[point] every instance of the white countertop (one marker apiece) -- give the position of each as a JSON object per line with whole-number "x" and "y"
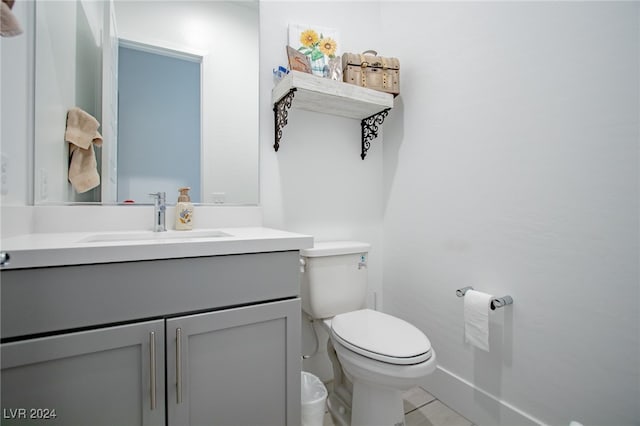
{"x": 69, "y": 248}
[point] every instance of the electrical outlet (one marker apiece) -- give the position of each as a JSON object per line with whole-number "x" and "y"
{"x": 218, "y": 197}
{"x": 44, "y": 185}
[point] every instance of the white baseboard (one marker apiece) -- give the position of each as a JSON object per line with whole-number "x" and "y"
{"x": 477, "y": 405}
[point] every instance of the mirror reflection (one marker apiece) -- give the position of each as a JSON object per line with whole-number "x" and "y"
{"x": 174, "y": 86}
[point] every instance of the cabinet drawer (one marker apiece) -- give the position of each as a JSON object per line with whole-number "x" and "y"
{"x": 50, "y": 299}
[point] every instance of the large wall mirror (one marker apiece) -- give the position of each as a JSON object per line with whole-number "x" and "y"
{"x": 174, "y": 85}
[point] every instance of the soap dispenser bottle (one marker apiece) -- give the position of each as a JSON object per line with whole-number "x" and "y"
{"x": 184, "y": 210}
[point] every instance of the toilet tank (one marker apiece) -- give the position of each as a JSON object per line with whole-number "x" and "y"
{"x": 334, "y": 278}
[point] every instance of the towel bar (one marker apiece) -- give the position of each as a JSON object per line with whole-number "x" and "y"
{"x": 496, "y": 302}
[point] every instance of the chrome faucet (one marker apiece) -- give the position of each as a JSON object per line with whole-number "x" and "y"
{"x": 159, "y": 208}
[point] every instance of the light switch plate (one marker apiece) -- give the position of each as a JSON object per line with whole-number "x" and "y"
{"x": 4, "y": 179}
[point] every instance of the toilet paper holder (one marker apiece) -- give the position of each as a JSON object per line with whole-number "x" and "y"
{"x": 496, "y": 302}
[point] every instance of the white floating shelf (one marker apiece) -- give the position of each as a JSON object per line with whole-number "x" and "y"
{"x": 333, "y": 97}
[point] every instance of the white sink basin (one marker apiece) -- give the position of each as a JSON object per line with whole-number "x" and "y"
{"x": 154, "y": 236}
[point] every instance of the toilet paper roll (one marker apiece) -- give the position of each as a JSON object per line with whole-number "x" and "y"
{"x": 476, "y": 318}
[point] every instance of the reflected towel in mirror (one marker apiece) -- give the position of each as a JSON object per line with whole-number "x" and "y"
{"x": 83, "y": 171}
{"x": 82, "y": 133}
{"x": 82, "y": 128}
{"x": 9, "y": 25}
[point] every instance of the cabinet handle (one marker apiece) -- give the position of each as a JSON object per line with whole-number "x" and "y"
{"x": 152, "y": 359}
{"x": 179, "y": 365}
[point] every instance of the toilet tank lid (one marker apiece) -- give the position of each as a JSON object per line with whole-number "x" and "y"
{"x": 335, "y": 248}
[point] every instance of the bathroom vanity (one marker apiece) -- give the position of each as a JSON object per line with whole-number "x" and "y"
{"x": 207, "y": 332}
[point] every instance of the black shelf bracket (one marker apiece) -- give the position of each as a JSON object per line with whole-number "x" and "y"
{"x": 280, "y": 114}
{"x": 370, "y": 129}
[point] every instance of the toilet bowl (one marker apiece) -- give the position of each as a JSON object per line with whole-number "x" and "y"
{"x": 375, "y": 356}
{"x": 382, "y": 356}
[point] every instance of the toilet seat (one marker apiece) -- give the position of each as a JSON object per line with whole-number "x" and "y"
{"x": 381, "y": 337}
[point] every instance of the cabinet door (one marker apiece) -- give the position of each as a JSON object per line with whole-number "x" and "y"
{"x": 237, "y": 366}
{"x": 109, "y": 376}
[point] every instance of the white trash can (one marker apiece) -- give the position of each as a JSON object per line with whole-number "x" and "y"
{"x": 314, "y": 397}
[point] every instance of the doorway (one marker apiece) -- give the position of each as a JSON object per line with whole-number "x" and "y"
{"x": 159, "y": 122}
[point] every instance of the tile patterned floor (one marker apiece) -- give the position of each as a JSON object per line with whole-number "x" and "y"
{"x": 423, "y": 409}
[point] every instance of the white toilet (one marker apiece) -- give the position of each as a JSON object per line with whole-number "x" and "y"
{"x": 375, "y": 356}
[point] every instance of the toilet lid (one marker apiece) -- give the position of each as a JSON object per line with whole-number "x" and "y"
{"x": 381, "y": 337}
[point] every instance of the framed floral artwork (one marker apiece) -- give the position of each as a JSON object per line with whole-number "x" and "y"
{"x": 318, "y": 43}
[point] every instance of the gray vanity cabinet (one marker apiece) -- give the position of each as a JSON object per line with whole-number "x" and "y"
{"x": 98, "y": 377}
{"x": 225, "y": 332}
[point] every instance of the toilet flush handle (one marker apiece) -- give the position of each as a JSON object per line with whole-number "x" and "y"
{"x": 303, "y": 263}
{"x": 363, "y": 262}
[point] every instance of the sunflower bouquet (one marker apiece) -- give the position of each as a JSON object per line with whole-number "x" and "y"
{"x": 317, "y": 48}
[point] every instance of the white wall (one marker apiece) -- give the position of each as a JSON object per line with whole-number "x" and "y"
{"x": 511, "y": 165}
{"x": 56, "y": 94}
{"x": 316, "y": 183}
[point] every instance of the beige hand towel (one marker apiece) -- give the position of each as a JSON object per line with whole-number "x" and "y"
{"x": 9, "y": 25}
{"x": 82, "y": 134}
{"x": 83, "y": 171}
{"x": 82, "y": 128}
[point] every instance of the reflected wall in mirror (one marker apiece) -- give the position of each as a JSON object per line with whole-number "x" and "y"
{"x": 158, "y": 105}
{"x": 77, "y": 50}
